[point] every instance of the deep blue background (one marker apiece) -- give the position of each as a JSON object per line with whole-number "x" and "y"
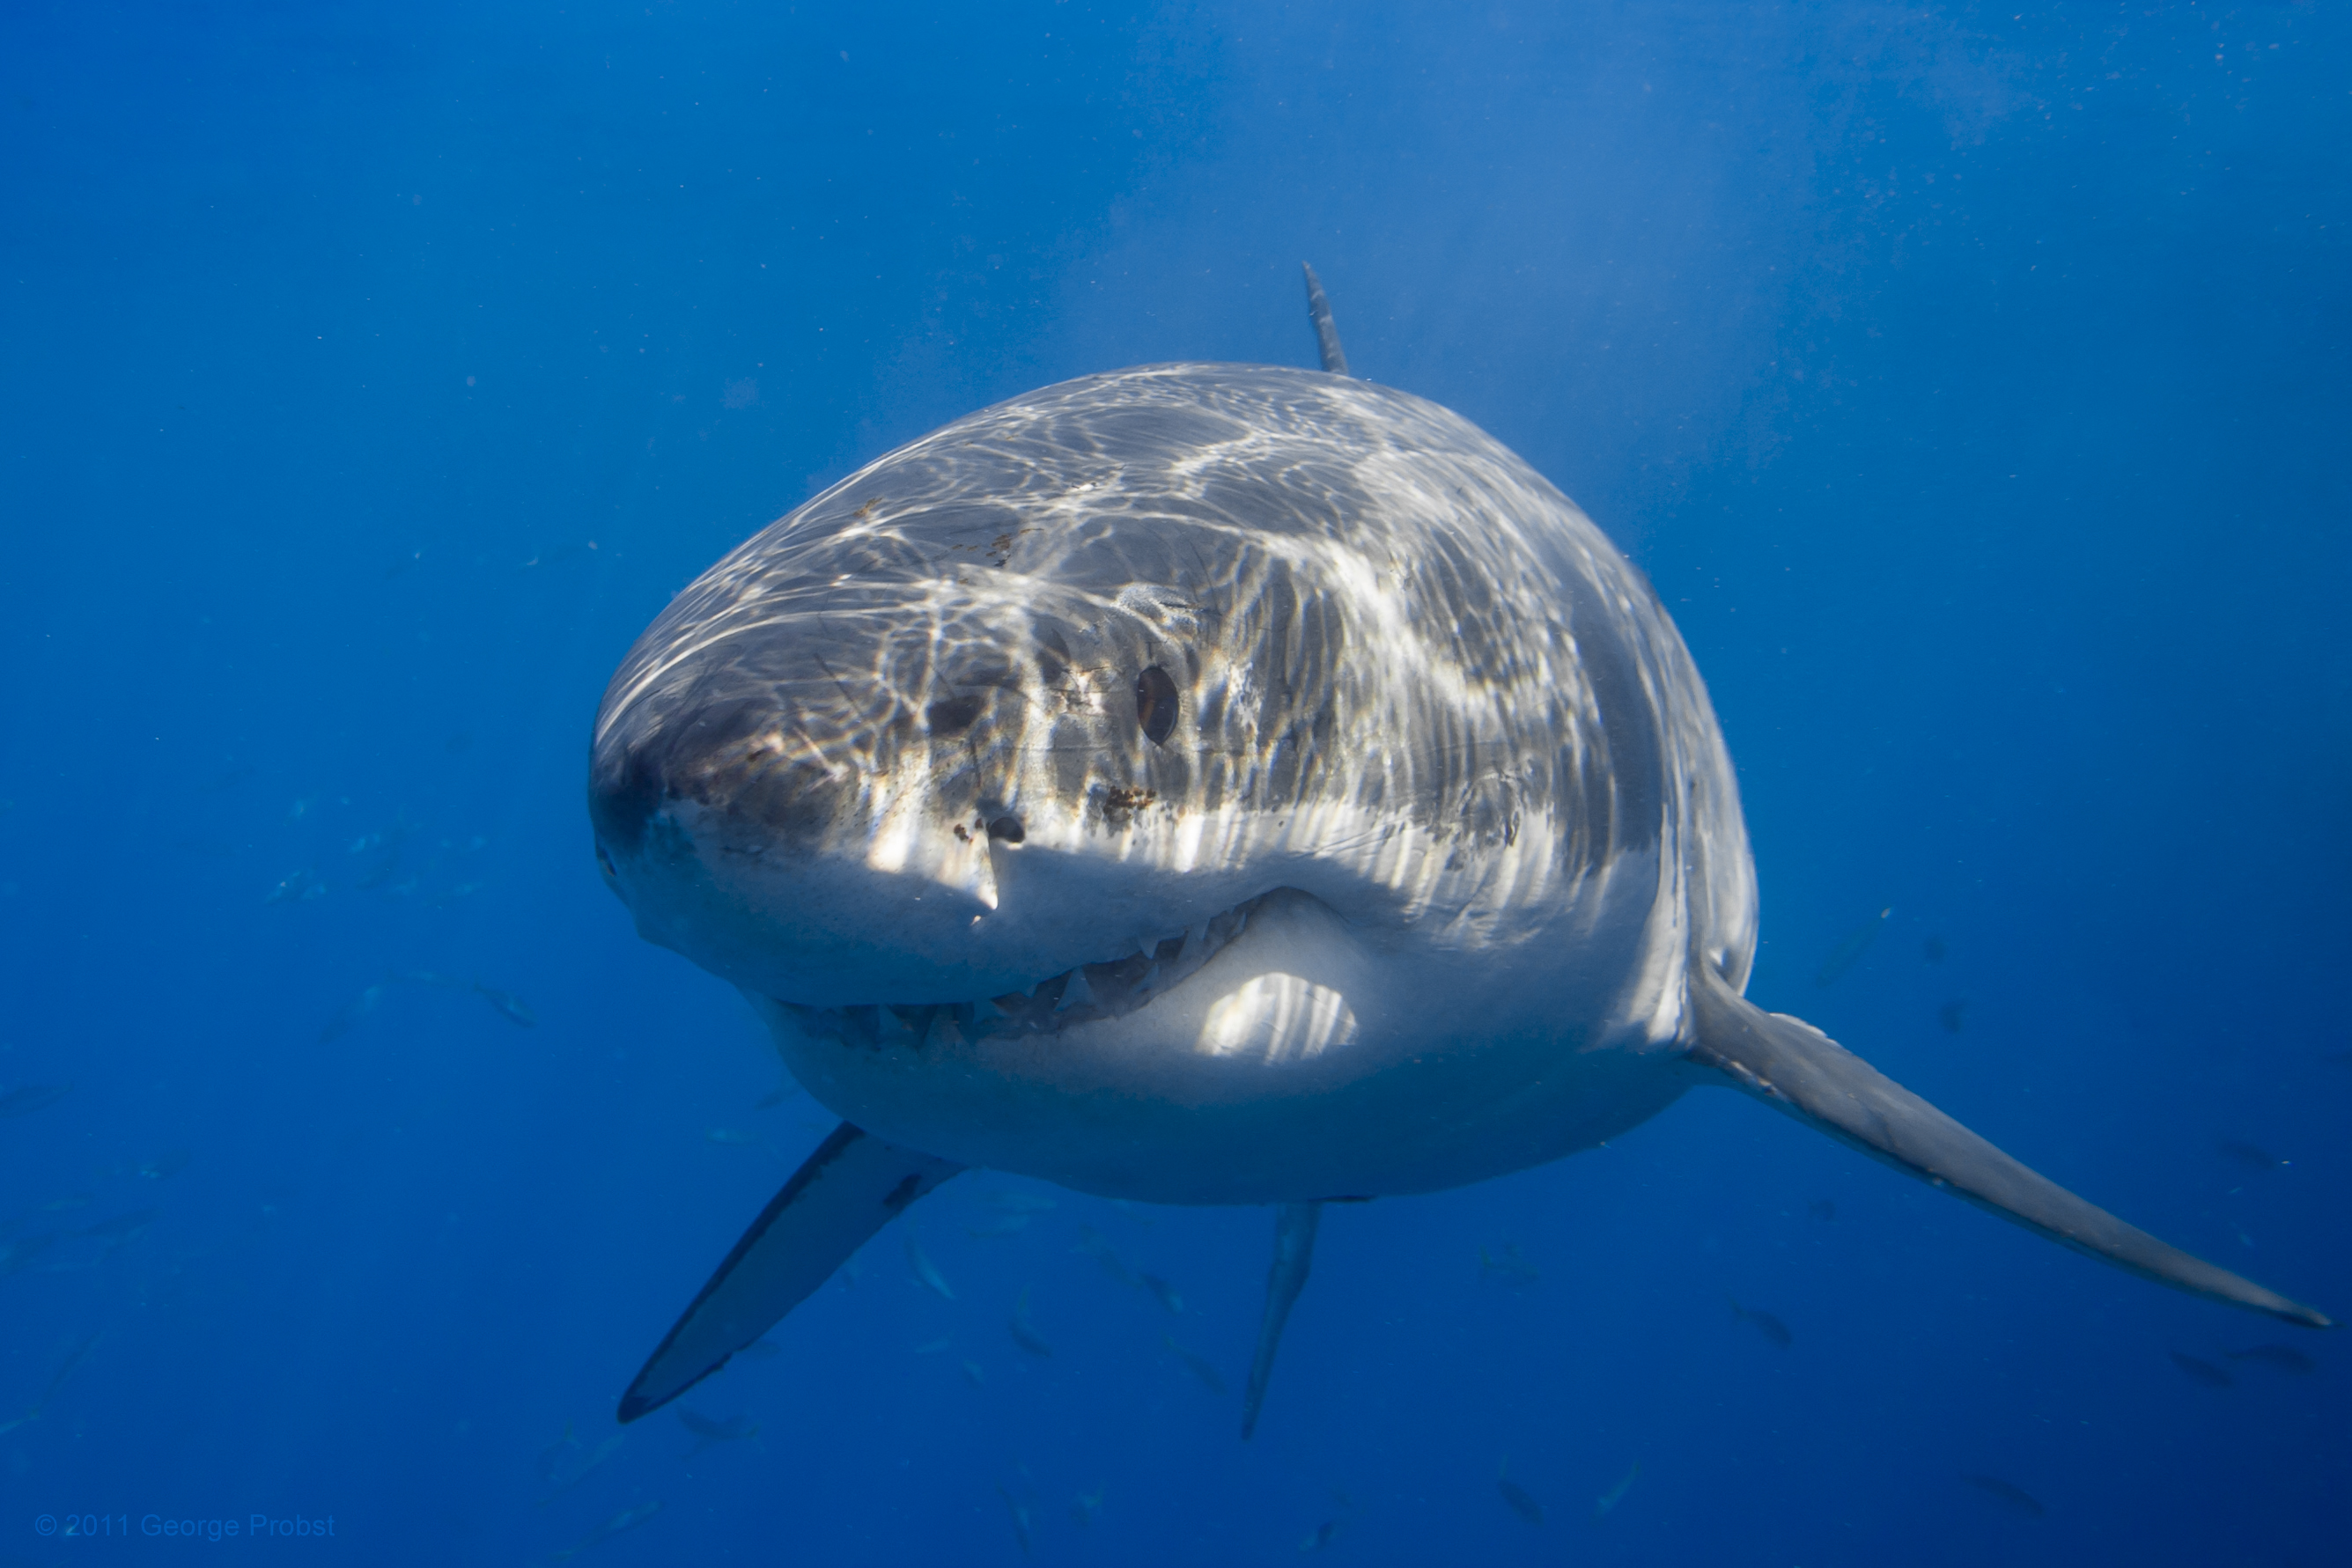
{"x": 1970, "y": 384}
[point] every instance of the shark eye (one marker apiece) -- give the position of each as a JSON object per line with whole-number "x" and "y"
{"x": 1155, "y": 704}
{"x": 605, "y": 862}
{"x": 951, "y": 715}
{"x": 1008, "y": 828}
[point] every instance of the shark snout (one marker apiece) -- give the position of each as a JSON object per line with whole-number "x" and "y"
{"x": 810, "y": 862}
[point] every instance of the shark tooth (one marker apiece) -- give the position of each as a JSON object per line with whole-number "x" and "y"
{"x": 900, "y": 1026}
{"x": 1076, "y": 994}
{"x": 1196, "y": 942}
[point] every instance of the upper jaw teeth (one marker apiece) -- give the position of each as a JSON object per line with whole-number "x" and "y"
{"x": 1076, "y": 996}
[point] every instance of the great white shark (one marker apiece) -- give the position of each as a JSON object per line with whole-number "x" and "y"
{"x": 1213, "y": 784}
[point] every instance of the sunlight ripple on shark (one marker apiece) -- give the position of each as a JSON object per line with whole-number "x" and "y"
{"x": 1213, "y": 784}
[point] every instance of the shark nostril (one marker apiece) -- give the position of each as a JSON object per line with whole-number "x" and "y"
{"x": 1155, "y": 704}
{"x": 1007, "y": 828}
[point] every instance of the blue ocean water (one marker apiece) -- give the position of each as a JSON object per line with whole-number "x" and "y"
{"x": 1968, "y": 383}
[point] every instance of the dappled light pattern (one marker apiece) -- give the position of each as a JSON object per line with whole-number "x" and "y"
{"x": 1204, "y": 631}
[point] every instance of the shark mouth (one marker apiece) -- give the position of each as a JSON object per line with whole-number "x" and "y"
{"x": 1081, "y": 994}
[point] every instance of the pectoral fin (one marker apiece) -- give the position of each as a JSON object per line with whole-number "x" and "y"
{"x": 849, "y": 1189}
{"x": 1796, "y": 1069}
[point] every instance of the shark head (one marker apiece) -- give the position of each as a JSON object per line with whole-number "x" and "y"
{"x": 1194, "y": 734}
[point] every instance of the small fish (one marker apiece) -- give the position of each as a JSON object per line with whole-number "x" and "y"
{"x": 1020, "y": 1519}
{"x": 73, "y": 1358}
{"x": 776, "y": 1096}
{"x": 2203, "y": 1372}
{"x": 558, "y": 553}
{"x": 2249, "y": 1155}
{"x": 123, "y": 1228}
{"x": 931, "y": 1347}
{"x": 509, "y": 1007}
{"x": 221, "y": 782}
{"x": 1023, "y": 1335}
{"x": 2287, "y": 1358}
{"x": 761, "y": 1350}
{"x": 1013, "y": 1201}
{"x": 1322, "y": 1536}
{"x": 1509, "y": 1268}
{"x": 730, "y": 1135}
{"x": 736, "y": 1429}
{"x": 382, "y": 873}
{"x": 628, "y": 1519}
{"x": 1200, "y": 1366}
{"x": 1933, "y": 949}
{"x": 351, "y": 1013}
{"x": 2009, "y": 1497}
{"x": 556, "y": 1456}
{"x": 1821, "y": 1208}
{"x": 1086, "y": 1505}
{"x": 165, "y": 1166}
{"x": 1515, "y": 1496}
{"x": 568, "y": 1473}
{"x": 920, "y": 1267}
{"x": 1768, "y": 1325}
{"x": 998, "y": 1228}
{"x": 1850, "y": 949}
{"x": 57, "y": 1380}
{"x": 1952, "y": 1015}
{"x": 1092, "y": 1243}
{"x": 299, "y": 887}
{"x": 975, "y": 1375}
{"x": 458, "y": 744}
{"x": 20, "y": 1253}
{"x": 1616, "y": 1494}
{"x": 1164, "y": 1292}
{"x": 26, "y": 1098}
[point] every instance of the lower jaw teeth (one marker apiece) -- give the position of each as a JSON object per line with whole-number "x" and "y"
{"x": 1082, "y": 995}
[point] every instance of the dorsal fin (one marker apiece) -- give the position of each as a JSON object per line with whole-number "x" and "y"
{"x": 1326, "y": 336}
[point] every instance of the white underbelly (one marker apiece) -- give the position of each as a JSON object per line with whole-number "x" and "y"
{"x": 1303, "y": 1062}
